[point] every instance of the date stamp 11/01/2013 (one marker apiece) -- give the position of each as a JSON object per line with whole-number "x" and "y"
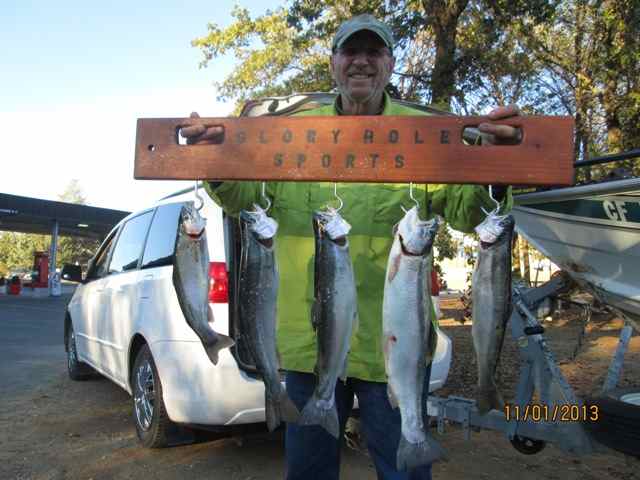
{"x": 552, "y": 413}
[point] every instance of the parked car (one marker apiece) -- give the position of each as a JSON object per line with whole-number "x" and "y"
{"x": 124, "y": 321}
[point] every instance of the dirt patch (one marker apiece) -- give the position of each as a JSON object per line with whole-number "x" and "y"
{"x": 84, "y": 430}
{"x": 583, "y": 350}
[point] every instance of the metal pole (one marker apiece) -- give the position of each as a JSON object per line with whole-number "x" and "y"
{"x": 615, "y": 368}
{"x": 52, "y": 253}
{"x": 608, "y": 158}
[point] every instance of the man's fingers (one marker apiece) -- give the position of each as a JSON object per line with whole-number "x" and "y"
{"x": 201, "y": 133}
{"x": 500, "y": 131}
{"x": 192, "y": 131}
{"x": 504, "y": 112}
{"x": 213, "y": 133}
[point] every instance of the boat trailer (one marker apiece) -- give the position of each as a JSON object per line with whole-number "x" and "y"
{"x": 556, "y": 415}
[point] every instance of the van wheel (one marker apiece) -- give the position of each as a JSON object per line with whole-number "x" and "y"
{"x": 78, "y": 370}
{"x": 149, "y": 414}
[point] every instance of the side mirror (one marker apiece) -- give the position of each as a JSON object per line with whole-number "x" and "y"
{"x": 72, "y": 273}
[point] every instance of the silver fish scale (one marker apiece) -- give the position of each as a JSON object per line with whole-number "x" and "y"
{"x": 406, "y": 322}
{"x": 258, "y": 295}
{"x": 191, "y": 277}
{"x": 491, "y": 310}
{"x": 191, "y": 280}
{"x": 334, "y": 312}
{"x": 258, "y": 285}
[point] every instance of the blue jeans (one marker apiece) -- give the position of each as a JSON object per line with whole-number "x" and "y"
{"x": 312, "y": 453}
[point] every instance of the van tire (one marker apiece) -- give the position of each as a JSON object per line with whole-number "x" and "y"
{"x": 618, "y": 425}
{"x": 149, "y": 413}
{"x": 78, "y": 371}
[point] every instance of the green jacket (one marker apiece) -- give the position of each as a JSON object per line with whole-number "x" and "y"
{"x": 372, "y": 210}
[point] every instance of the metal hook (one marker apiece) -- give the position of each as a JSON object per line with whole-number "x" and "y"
{"x": 412, "y": 197}
{"x": 494, "y": 200}
{"x": 264, "y": 196}
{"x": 198, "y": 197}
{"x": 335, "y": 192}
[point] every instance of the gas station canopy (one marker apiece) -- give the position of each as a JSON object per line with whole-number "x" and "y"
{"x": 33, "y": 215}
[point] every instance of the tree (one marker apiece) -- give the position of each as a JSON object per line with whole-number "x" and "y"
{"x": 73, "y": 193}
{"x": 287, "y": 50}
{"x": 589, "y": 56}
{"x": 17, "y": 249}
{"x": 75, "y": 250}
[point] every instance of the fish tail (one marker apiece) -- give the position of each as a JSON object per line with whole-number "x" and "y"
{"x": 413, "y": 455}
{"x": 222, "y": 342}
{"x": 279, "y": 409}
{"x": 489, "y": 398}
{"x": 317, "y": 412}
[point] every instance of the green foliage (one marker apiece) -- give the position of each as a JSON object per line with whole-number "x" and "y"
{"x": 73, "y": 193}
{"x": 17, "y": 249}
{"x": 445, "y": 244}
{"x": 272, "y": 58}
{"x": 75, "y": 250}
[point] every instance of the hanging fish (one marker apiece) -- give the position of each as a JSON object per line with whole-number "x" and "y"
{"x": 406, "y": 324}
{"x": 492, "y": 306}
{"x": 191, "y": 280}
{"x": 334, "y": 317}
{"x": 258, "y": 294}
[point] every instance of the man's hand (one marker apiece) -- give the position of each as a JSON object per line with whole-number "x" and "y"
{"x": 498, "y": 134}
{"x": 199, "y": 133}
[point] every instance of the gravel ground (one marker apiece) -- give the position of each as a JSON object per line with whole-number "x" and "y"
{"x": 62, "y": 430}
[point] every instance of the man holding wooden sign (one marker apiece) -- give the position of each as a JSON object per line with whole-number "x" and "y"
{"x": 361, "y": 64}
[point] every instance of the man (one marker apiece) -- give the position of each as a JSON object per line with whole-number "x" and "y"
{"x": 361, "y": 64}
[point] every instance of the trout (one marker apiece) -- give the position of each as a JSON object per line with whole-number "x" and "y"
{"x": 406, "y": 324}
{"x": 334, "y": 317}
{"x": 191, "y": 280}
{"x": 258, "y": 294}
{"x": 492, "y": 306}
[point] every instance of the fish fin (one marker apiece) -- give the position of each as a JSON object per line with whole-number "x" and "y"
{"x": 489, "y": 399}
{"x": 393, "y": 400}
{"x": 316, "y": 412}
{"x": 413, "y": 455}
{"x": 315, "y": 315}
{"x": 425, "y": 401}
{"x": 222, "y": 342}
{"x": 278, "y": 410}
{"x": 271, "y": 411}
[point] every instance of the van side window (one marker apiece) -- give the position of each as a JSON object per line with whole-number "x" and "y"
{"x": 161, "y": 241}
{"x": 99, "y": 268}
{"x": 130, "y": 243}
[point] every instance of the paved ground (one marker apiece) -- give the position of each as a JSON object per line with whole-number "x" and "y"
{"x": 31, "y": 343}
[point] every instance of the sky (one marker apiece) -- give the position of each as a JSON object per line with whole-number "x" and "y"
{"x": 75, "y": 76}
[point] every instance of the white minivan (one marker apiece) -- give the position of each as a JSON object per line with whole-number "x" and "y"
{"x": 125, "y": 322}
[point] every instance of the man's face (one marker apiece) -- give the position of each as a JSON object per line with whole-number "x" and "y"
{"x": 362, "y": 67}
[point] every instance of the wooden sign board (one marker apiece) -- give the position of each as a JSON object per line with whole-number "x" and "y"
{"x": 421, "y": 149}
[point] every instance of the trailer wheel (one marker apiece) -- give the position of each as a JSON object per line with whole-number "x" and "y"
{"x": 618, "y": 423}
{"x": 527, "y": 446}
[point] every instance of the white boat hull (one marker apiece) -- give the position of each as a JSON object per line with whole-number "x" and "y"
{"x": 593, "y": 233}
